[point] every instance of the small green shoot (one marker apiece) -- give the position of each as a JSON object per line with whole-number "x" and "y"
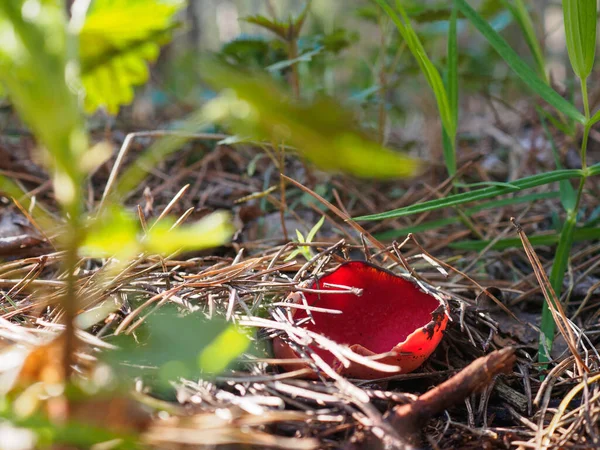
{"x": 305, "y": 250}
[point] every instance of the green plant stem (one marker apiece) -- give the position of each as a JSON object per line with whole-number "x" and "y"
{"x": 382, "y": 113}
{"x": 69, "y": 302}
{"x": 292, "y": 56}
{"x": 561, "y": 258}
{"x": 586, "y": 130}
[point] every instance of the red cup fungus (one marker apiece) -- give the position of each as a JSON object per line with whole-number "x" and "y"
{"x": 393, "y": 318}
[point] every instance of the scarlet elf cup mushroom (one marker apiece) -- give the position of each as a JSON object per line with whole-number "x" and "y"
{"x": 393, "y": 320}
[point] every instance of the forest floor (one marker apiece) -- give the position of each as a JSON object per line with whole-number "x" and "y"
{"x": 492, "y": 291}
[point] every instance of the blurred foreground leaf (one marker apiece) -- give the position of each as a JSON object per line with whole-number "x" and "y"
{"x": 210, "y": 231}
{"x": 252, "y": 105}
{"x": 118, "y": 233}
{"x": 169, "y": 346}
{"x": 38, "y": 75}
{"x": 118, "y": 39}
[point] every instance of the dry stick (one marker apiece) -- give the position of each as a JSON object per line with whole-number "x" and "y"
{"x": 563, "y": 407}
{"x": 554, "y": 304}
{"x": 408, "y": 419}
{"x": 171, "y": 204}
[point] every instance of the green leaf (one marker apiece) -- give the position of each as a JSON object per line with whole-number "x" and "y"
{"x": 118, "y": 39}
{"x": 580, "y": 17}
{"x": 70, "y": 433}
{"x": 114, "y": 233}
{"x": 253, "y": 105}
{"x": 480, "y": 194}
{"x": 170, "y": 346}
{"x": 452, "y": 84}
{"x": 529, "y": 77}
{"x": 595, "y": 118}
{"x": 219, "y": 354}
{"x": 287, "y": 31}
{"x": 427, "y": 68}
{"x": 211, "y": 231}
{"x": 33, "y": 69}
{"x": 117, "y": 232}
{"x": 315, "y": 229}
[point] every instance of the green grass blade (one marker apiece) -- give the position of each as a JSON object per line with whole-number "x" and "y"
{"x": 568, "y": 196}
{"x": 528, "y": 75}
{"x": 449, "y": 148}
{"x": 452, "y": 90}
{"x": 452, "y": 87}
{"x": 433, "y": 224}
{"x": 431, "y": 73}
{"x": 579, "y": 234}
{"x": 521, "y": 15}
{"x": 479, "y": 194}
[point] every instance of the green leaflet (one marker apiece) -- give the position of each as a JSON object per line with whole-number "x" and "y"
{"x": 326, "y": 133}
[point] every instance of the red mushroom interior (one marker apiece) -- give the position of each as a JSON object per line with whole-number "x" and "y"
{"x": 388, "y": 311}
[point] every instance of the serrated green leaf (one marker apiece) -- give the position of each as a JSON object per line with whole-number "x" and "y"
{"x": 118, "y": 40}
{"x": 514, "y": 61}
{"x": 580, "y": 31}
